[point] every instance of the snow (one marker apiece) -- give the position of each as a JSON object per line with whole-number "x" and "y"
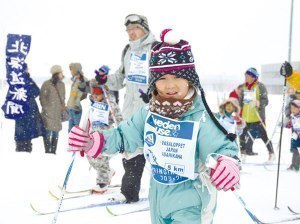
{"x": 26, "y": 178}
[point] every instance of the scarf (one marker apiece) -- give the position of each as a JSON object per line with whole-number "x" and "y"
{"x": 249, "y": 85}
{"x": 172, "y": 108}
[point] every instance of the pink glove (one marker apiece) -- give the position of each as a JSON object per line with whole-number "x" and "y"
{"x": 226, "y": 173}
{"x": 91, "y": 144}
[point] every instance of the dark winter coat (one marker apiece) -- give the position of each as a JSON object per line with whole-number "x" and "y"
{"x": 51, "y": 104}
{"x": 30, "y": 125}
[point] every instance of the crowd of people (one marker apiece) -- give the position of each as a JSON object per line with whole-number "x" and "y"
{"x": 165, "y": 120}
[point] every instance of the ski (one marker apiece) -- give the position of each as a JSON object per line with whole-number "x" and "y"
{"x": 113, "y": 213}
{"x": 280, "y": 220}
{"x": 125, "y": 209}
{"x": 293, "y": 211}
{"x": 104, "y": 204}
{"x": 259, "y": 164}
{"x": 87, "y": 190}
{"x": 86, "y": 193}
{"x": 268, "y": 168}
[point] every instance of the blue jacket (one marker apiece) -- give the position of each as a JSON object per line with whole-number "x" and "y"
{"x": 192, "y": 192}
{"x": 30, "y": 125}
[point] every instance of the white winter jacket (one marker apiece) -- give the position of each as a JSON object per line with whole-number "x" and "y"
{"x": 118, "y": 80}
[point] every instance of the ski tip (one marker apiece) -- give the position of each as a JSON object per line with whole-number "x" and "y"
{"x": 53, "y": 195}
{"x": 35, "y": 211}
{"x": 109, "y": 211}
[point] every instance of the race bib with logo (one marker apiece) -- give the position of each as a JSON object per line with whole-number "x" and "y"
{"x": 228, "y": 123}
{"x": 170, "y": 147}
{"x": 249, "y": 95}
{"x": 296, "y": 124}
{"x": 99, "y": 114}
{"x": 138, "y": 71}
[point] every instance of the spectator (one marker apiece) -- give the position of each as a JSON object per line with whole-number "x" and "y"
{"x": 52, "y": 94}
{"x": 78, "y": 93}
{"x": 30, "y": 125}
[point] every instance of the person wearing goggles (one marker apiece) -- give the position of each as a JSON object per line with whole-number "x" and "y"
{"x": 133, "y": 72}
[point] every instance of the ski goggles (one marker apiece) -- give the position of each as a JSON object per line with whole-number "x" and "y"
{"x": 136, "y": 19}
{"x": 133, "y": 18}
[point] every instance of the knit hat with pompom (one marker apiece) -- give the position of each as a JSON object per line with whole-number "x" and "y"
{"x": 172, "y": 56}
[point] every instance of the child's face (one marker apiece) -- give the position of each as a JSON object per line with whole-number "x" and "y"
{"x": 294, "y": 110}
{"x": 171, "y": 86}
{"x": 229, "y": 108}
{"x": 97, "y": 97}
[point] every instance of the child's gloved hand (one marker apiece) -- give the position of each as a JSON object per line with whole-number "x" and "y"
{"x": 144, "y": 96}
{"x": 225, "y": 174}
{"x": 101, "y": 74}
{"x": 286, "y": 69}
{"x": 80, "y": 140}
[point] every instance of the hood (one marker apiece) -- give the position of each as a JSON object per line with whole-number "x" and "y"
{"x": 233, "y": 101}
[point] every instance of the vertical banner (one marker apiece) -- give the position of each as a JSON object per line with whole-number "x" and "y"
{"x": 17, "y": 99}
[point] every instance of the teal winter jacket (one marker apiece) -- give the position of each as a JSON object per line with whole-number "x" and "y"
{"x": 165, "y": 199}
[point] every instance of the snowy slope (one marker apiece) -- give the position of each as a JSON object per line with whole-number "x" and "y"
{"x": 26, "y": 178}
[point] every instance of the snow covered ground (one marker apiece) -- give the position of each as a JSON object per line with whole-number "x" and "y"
{"x": 26, "y": 178}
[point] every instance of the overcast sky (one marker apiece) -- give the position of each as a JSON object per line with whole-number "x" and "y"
{"x": 227, "y": 36}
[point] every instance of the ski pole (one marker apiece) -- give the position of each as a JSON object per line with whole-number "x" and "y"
{"x": 283, "y": 103}
{"x": 212, "y": 163}
{"x": 263, "y": 124}
{"x": 242, "y": 202}
{"x": 248, "y": 132}
{"x": 109, "y": 104}
{"x": 83, "y": 124}
{"x": 63, "y": 190}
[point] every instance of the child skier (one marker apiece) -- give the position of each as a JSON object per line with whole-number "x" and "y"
{"x": 294, "y": 123}
{"x": 178, "y": 137}
{"x": 229, "y": 116}
{"x": 103, "y": 113}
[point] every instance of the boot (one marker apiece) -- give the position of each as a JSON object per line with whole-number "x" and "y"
{"x": 54, "y": 145}
{"x": 47, "y": 143}
{"x": 272, "y": 157}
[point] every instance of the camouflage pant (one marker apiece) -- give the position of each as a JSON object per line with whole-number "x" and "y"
{"x": 103, "y": 169}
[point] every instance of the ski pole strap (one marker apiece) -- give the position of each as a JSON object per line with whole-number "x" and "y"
{"x": 230, "y": 136}
{"x": 122, "y": 148}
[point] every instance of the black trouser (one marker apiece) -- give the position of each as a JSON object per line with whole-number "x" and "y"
{"x": 24, "y": 146}
{"x": 131, "y": 181}
{"x": 254, "y": 130}
{"x": 296, "y": 159}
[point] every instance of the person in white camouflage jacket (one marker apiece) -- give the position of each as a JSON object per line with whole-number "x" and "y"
{"x": 104, "y": 112}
